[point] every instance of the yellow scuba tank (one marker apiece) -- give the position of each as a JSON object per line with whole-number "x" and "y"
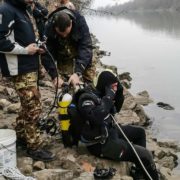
{"x": 64, "y": 118}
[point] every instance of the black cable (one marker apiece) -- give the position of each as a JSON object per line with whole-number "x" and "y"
{"x": 56, "y": 90}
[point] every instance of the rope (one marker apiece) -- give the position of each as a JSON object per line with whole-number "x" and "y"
{"x": 15, "y": 174}
{"x": 132, "y": 149}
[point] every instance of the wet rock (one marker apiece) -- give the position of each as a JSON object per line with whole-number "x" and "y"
{"x": 165, "y": 106}
{"x": 104, "y": 53}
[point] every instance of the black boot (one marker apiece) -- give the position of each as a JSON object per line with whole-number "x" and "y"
{"x": 41, "y": 155}
{"x": 21, "y": 143}
{"x": 137, "y": 173}
{"x": 152, "y": 172}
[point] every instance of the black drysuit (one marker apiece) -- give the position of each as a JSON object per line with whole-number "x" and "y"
{"x": 96, "y": 109}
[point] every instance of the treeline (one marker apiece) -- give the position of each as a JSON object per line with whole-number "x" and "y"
{"x": 146, "y": 5}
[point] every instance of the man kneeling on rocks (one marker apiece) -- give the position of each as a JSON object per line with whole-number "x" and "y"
{"x": 102, "y": 135}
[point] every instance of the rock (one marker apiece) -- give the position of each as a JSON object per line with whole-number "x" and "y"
{"x": 11, "y": 94}
{"x": 2, "y": 178}
{"x": 85, "y": 175}
{"x": 175, "y": 177}
{"x": 46, "y": 84}
{"x": 39, "y": 165}
{"x": 126, "y": 178}
{"x": 167, "y": 162}
{"x": 143, "y": 98}
{"x": 54, "y": 174}
{"x": 126, "y": 83}
{"x": 13, "y": 108}
{"x": 129, "y": 102}
{"x": 160, "y": 153}
{"x": 25, "y": 165}
{"x": 27, "y": 169}
{"x": 4, "y": 103}
{"x": 127, "y": 117}
{"x": 125, "y": 75}
{"x": 168, "y": 143}
{"x": 165, "y": 173}
{"x": 2, "y": 89}
{"x": 144, "y": 119}
{"x": 165, "y": 106}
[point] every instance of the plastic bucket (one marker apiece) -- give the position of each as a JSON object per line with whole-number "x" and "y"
{"x": 7, "y": 148}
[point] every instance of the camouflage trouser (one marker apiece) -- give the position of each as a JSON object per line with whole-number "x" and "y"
{"x": 26, "y": 123}
{"x": 66, "y": 68}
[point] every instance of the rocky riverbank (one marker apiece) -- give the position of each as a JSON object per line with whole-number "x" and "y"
{"x": 77, "y": 163}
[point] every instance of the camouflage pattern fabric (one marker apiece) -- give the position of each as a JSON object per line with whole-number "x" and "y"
{"x": 66, "y": 60}
{"x": 26, "y": 123}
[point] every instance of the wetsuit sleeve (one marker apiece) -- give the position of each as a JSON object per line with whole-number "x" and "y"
{"x": 93, "y": 112}
{"x": 7, "y": 41}
{"x": 84, "y": 57}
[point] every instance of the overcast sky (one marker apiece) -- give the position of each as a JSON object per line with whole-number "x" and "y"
{"x": 100, "y": 3}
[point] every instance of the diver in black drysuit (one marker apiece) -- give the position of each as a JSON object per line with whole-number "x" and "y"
{"x": 100, "y": 134}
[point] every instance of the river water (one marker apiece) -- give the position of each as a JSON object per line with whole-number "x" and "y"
{"x": 148, "y": 46}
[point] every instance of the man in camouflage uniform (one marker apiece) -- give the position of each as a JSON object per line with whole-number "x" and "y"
{"x": 26, "y": 122}
{"x": 69, "y": 41}
{"x": 19, "y": 60}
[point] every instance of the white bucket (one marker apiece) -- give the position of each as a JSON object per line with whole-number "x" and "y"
{"x": 7, "y": 148}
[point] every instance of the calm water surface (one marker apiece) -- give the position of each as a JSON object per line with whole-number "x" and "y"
{"x": 148, "y": 46}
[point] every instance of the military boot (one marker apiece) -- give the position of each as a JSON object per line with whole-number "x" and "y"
{"x": 41, "y": 155}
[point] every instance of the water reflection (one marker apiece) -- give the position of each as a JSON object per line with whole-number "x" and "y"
{"x": 162, "y": 22}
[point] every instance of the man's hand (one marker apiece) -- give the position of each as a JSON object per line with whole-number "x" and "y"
{"x": 58, "y": 82}
{"x": 74, "y": 80}
{"x": 41, "y": 51}
{"x": 32, "y": 49}
{"x": 111, "y": 90}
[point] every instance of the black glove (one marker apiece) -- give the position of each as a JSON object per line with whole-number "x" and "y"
{"x": 110, "y": 93}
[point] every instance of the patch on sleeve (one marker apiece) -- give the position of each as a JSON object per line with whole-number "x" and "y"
{"x": 87, "y": 103}
{"x": 1, "y": 16}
